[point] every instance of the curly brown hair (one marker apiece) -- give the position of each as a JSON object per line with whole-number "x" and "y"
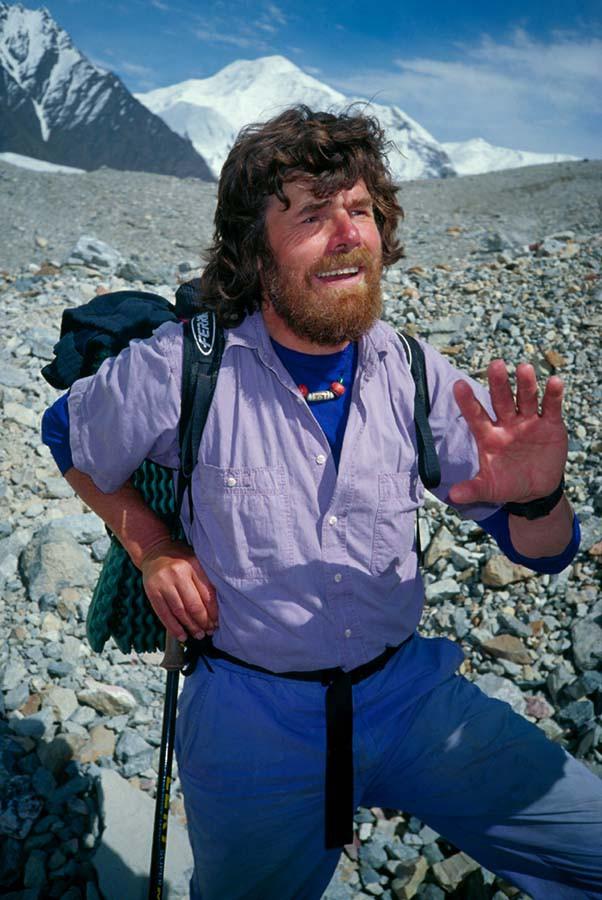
{"x": 333, "y": 151}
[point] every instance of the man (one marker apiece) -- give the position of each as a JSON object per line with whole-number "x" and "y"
{"x": 302, "y": 556}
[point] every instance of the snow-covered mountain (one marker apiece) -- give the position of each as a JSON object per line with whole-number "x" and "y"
{"x": 57, "y": 106}
{"x": 476, "y": 156}
{"x": 38, "y": 165}
{"x": 211, "y": 111}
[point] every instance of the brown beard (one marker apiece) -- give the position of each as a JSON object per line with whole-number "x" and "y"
{"x": 330, "y": 317}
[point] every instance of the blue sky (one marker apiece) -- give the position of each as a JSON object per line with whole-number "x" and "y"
{"x": 526, "y": 75}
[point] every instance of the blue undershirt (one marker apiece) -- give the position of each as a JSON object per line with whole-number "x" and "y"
{"x": 55, "y": 432}
{"x": 317, "y": 372}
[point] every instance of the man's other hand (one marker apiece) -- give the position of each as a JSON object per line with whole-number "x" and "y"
{"x": 179, "y": 591}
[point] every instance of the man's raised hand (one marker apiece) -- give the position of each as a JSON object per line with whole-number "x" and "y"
{"x": 522, "y": 454}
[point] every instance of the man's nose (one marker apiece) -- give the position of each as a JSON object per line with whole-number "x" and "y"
{"x": 345, "y": 234}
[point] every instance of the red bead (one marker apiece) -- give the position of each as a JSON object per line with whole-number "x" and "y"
{"x": 337, "y": 388}
{"x": 304, "y": 389}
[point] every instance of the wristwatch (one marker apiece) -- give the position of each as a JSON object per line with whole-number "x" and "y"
{"x": 536, "y": 509}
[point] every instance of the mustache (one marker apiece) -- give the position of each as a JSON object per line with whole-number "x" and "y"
{"x": 360, "y": 258}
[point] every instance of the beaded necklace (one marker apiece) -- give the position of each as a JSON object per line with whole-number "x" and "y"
{"x": 337, "y": 389}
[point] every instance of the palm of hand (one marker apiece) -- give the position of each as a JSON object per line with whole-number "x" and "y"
{"x": 523, "y": 452}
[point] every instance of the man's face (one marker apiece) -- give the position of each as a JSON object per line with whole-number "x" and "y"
{"x": 312, "y": 241}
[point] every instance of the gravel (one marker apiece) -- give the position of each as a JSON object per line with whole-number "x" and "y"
{"x": 158, "y": 220}
{"x": 506, "y": 264}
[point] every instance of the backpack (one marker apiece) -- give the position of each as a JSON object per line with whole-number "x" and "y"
{"x": 102, "y": 328}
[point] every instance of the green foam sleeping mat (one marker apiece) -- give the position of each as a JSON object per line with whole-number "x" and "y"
{"x": 120, "y": 607}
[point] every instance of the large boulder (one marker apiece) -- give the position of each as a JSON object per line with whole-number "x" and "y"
{"x": 122, "y": 859}
{"x": 54, "y": 560}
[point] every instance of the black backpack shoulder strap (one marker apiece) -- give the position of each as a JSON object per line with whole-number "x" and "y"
{"x": 428, "y": 462}
{"x": 203, "y": 348}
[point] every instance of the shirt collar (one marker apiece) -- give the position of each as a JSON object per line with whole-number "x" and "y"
{"x": 253, "y": 334}
{"x": 250, "y": 333}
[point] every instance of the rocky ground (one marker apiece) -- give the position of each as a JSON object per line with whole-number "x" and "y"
{"x": 156, "y": 220}
{"x": 505, "y": 264}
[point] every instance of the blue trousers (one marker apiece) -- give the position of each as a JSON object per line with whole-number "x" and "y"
{"x": 250, "y": 750}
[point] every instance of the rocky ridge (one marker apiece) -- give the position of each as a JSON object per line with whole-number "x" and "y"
{"x": 58, "y": 106}
{"x": 68, "y": 717}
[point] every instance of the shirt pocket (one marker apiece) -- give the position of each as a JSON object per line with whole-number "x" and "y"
{"x": 399, "y": 496}
{"x": 246, "y": 515}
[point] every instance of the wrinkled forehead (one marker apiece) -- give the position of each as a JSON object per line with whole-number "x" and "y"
{"x": 303, "y": 189}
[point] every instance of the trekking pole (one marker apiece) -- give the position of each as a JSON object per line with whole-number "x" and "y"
{"x": 172, "y": 661}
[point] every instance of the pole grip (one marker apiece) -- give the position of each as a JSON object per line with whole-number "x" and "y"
{"x": 173, "y": 657}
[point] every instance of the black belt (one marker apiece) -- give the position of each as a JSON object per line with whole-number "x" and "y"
{"x": 339, "y": 806}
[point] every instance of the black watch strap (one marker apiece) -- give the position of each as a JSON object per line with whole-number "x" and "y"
{"x": 536, "y": 509}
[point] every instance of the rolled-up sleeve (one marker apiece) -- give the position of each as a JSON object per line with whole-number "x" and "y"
{"x": 129, "y": 410}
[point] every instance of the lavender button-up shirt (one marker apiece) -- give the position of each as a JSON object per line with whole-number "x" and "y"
{"x": 312, "y": 568}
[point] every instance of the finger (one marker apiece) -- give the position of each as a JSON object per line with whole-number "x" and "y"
{"x": 526, "y": 390}
{"x": 208, "y": 594}
{"x": 168, "y": 620}
{"x": 179, "y": 610}
{"x": 195, "y": 607}
{"x": 551, "y": 404}
{"x": 502, "y": 398}
{"x": 476, "y": 416}
{"x": 472, "y": 491}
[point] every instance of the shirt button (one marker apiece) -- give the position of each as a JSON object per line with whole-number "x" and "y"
{"x": 333, "y": 520}
{"x": 348, "y": 632}
{"x": 320, "y": 459}
{"x": 338, "y": 577}
{"x": 231, "y": 481}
